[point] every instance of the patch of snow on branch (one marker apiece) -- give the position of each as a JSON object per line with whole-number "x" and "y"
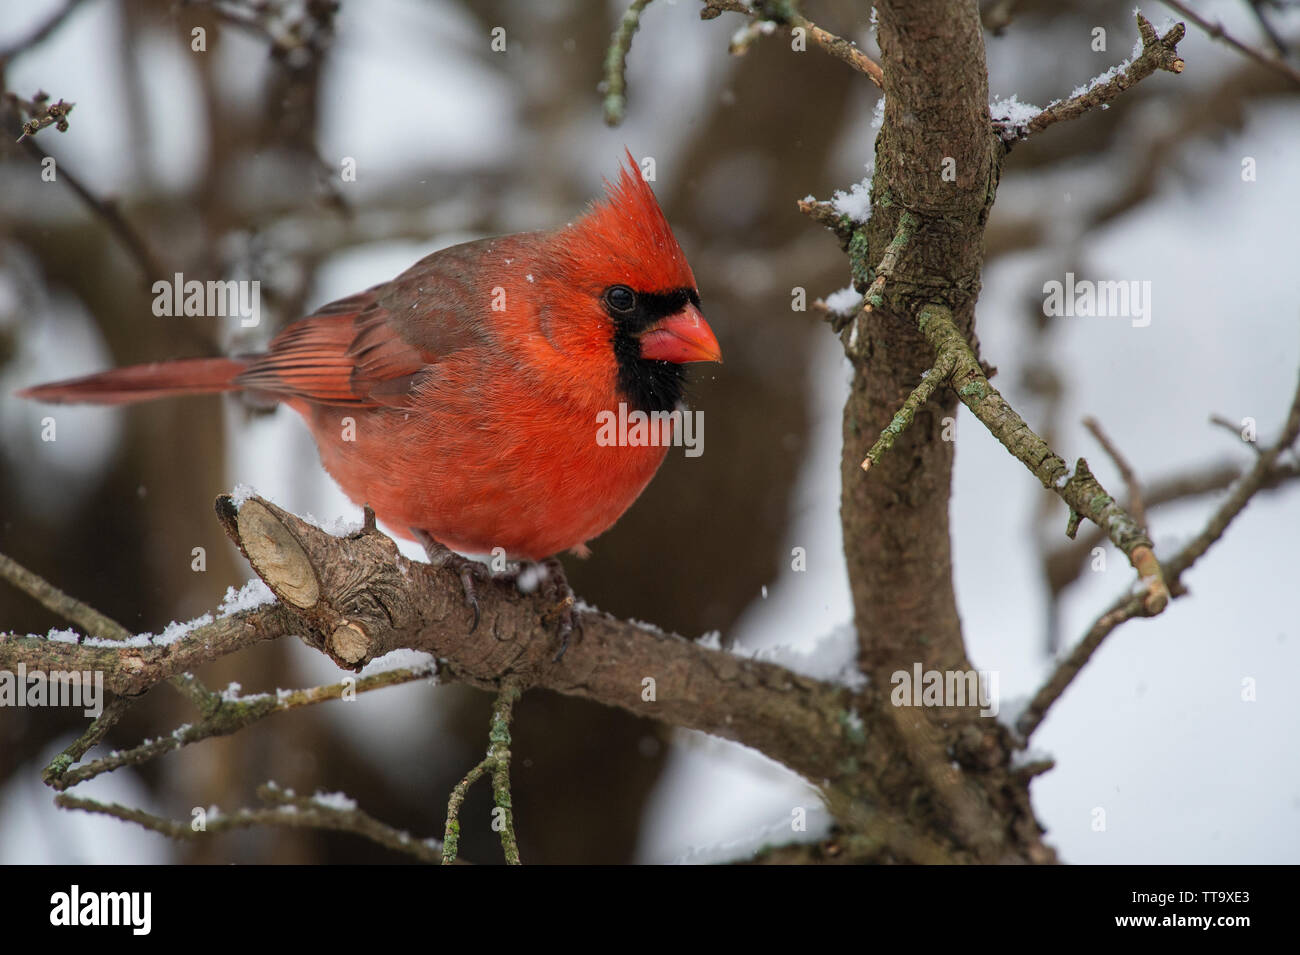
{"x": 402, "y": 659}
{"x": 856, "y": 202}
{"x": 1013, "y": 113}
{"x": 339, "y": 801}
{"x": 844, "y": 302}
{"x": 832, "y": 658}
{"x": 241, "y": 495}
{"x": 335, "y": 527}
{"x": 774, "y": 834}
{"x": 175, "y": 630}
{"x": 253, "y": 594}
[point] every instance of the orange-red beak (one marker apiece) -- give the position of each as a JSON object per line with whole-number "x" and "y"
{"x": 681, "y": 338}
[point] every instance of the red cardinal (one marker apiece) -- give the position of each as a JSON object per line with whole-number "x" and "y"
{"x": 476, "y": 376}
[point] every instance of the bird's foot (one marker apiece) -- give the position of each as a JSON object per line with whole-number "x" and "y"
{"x": 555, "y": 586}
{"x": 471, "y": 572}
{"x": 548, "y": 575}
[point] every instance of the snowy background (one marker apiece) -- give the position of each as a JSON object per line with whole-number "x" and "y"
{"x": 1155, "y": 731}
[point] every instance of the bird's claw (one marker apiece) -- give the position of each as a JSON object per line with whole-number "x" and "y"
{"x": 471, "y": 594}
{"x": 471, "y": 572}
{"x": 568, "y": 622}
{"x": 558, "y": 589}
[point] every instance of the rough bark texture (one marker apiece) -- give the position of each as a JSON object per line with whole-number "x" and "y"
{"x": 895, "y": 518}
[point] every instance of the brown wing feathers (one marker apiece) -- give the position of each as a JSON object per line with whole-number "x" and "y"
{"x": 338, "y": 359}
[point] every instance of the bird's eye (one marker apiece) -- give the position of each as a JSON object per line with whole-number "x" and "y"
{"x": 620, "y": 298}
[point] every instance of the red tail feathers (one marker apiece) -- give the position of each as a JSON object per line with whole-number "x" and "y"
{"x": 188, "y": 376}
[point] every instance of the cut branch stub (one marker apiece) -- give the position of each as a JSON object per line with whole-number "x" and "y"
{"x": 277, "y": 555}
{"x": 344, "y": 600}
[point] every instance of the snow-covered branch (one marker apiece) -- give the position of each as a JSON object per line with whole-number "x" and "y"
{"x": 1015, "y": 121}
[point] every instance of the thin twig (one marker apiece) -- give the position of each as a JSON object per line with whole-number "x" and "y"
{"x": 1080, "y": 490}
{"x": 40, "y": 113}
{"x": 95, "y": 624}
{"x": 1257, "y": 8}
{"x": 1158, "y": 53}
{"x": 1235, "y": 428}
{"x": 784, "y": 14}
{"x": 194, "y": 690}
{"x": 1063, "y": 565}
{"x": 285, "y": 809}
{"x": 497, "y": 763}
{"x": 824, "y": 214}
{"x": 40, "y": 34}
{"x": 1124, "y": 609}
{"x": 69, "y": 608}
{"x": 931, "y": 380}
{"x": 96, "y": 732}
{"x": 451, "y": 835}
{"x": 1130, "y": 606}
{"x": 616, "y": 63}
{"x": 232, "y": 715}
{"x": 1134, "y": 503}
{"x": 499, "y": 753}
{"x": 1256, "y": 478}
{"x": 907, "y": 223}
{"x": 1216, "y": 31}
{"x": 106, "y": 209}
